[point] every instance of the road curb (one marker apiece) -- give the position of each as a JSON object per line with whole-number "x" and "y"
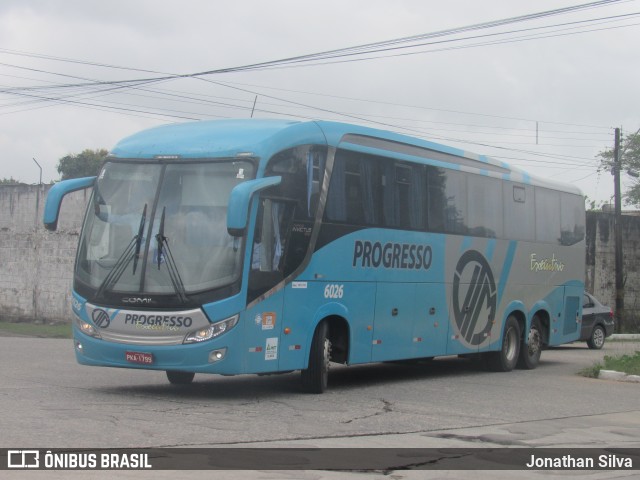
{"x": 618, "y": 376}
{"x": 625, "y": 336}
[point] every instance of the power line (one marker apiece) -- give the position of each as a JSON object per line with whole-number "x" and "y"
{"x": 100, "y": 88}
{"x": 357, "y": 50}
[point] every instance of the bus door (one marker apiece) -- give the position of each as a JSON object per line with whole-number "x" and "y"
{"x": 262, "y": 335}
{"x": 431, "y": 323}
{"x": 472, "y": 318}
{"x": 393, "y": 322}
{"x": 565, "y": 327}
{"x": 263, "y": 320}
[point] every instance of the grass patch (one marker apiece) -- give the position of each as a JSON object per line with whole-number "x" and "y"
{"x": 591, "y": 372}
{"x": 629, "y": 364}
{"x": 34, "y": 330}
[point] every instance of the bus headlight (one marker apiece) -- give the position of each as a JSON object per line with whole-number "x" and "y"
{"x": 87, "y": 328}
{"x": 212, "y": 331}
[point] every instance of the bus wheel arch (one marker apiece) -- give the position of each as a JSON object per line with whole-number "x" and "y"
{"x": 339, "y": 336}
{"x": 545, "y": 325}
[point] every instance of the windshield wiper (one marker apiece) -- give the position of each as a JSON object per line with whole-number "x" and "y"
{"x": 138, "y": 238}
{"x": 130, "y": 253}
{"x": 174, "y": 275}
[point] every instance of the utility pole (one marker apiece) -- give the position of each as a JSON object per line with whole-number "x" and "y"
{"x": 38, "y": 195}
{"x": 617, "y": 226}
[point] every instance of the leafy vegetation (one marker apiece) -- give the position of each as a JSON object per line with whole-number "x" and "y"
{"x": 85, "y": 164}
{"x": 630, "y": 163}
{"x": 629, "y": 364}
{"x": 9, "y": 181}
{"x": 592, "y": 371}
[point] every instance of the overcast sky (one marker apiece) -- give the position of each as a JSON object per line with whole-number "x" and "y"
{"x": 547, "y": 104}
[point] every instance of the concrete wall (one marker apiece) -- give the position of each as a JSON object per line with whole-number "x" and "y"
{"x": 36, "y": 265}
{"x": 600, "y": 274}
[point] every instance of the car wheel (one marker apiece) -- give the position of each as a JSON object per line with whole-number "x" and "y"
{"x": 596, "y": 341}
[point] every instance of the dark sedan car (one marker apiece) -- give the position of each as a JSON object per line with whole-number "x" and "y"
{"x": 597, "y": 322}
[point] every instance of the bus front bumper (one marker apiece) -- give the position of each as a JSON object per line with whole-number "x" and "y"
{"x": 214, "y": 356}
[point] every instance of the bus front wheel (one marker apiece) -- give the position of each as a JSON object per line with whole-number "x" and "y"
{"x": 176, "y": 377}
{"x": 316, "y": 376}
{"x": 505, "y": 359}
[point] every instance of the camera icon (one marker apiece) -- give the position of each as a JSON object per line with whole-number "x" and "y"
{"x": 23, "y": 459}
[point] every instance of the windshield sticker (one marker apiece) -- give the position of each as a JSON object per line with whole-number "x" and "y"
{"x": 158, "y": 259}
{"x": 268, "y": 320}
{"x": 240, "y": 174}
{"x": 271, "y": 349}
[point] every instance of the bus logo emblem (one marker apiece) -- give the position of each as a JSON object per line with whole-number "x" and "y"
{"x": 100, "y": 318}
{"x": 474, "y": 293}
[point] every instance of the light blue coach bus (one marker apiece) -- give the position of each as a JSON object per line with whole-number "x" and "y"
{"x": 263, "y": 246}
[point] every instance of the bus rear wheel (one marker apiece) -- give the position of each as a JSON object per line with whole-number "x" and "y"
{"x": 530, "y": 352}
{"x": 176, "y": 377}
{"x": 316, "y": 377}
{"x": 505, "y": 359}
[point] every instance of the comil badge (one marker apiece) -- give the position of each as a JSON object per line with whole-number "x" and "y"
{"x": 474, "y": 297}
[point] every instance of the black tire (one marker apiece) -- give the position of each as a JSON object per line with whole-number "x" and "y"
{"x": 596, "y": 340}
{"x": 531, "y": 350}
{"x": 505, "y": 359}
{"x": 315, "y": 378}
{"x": 176, "y": 377}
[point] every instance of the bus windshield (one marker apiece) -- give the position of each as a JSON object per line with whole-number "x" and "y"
{"x": 160, "y": 229}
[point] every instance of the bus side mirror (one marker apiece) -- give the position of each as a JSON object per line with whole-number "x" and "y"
{"x": 241, "y": 195}
{"x": 57, "y": 193}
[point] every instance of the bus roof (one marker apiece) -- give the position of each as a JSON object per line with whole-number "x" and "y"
{"x": 263, "y": 138}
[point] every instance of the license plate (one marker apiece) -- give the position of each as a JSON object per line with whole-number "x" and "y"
{"x": 139, "y": 357}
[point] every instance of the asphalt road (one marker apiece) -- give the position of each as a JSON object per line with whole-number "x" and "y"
{"x": 47, "y": 401}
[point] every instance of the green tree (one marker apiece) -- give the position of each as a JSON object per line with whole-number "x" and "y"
{"x": 85, "y": 164}
{"x": 630, "y": 163}
{"x": 9, "y": 181}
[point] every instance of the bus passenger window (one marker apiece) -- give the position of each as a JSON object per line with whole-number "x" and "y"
{"x": 485, "y": 206}
{"x": 447, "y": 193}
{"x": 547, "y": 215}
{"x": 572, "y": 219}
{"x": 519, "y": 212}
